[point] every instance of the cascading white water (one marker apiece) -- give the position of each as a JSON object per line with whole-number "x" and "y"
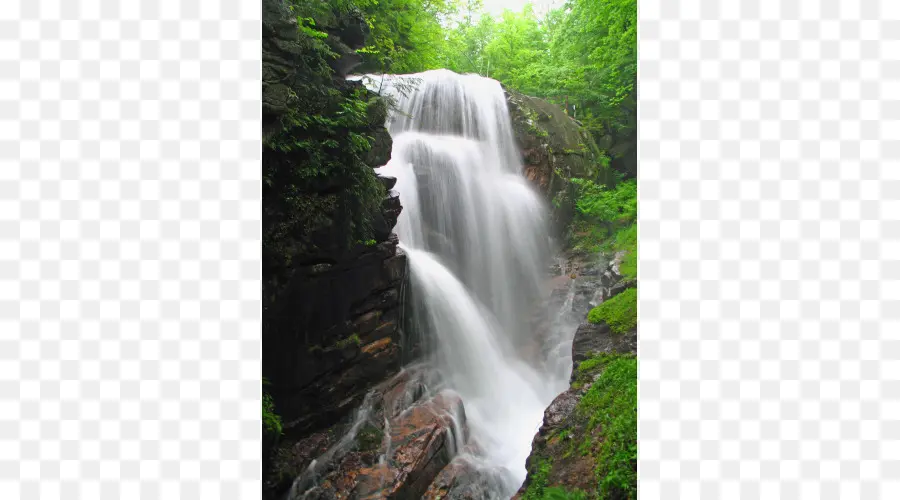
{"x": 476, "y": 239}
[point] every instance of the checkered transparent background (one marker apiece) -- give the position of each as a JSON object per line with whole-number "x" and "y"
{"x": 129, "y": 249}
{"x": 770, "y": 249}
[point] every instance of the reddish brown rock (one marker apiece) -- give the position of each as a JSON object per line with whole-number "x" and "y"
{"x": 421, "y": 445}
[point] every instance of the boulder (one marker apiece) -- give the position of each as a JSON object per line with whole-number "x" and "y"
{"x": 422, "y": 443}
{"x": 555, "y": 148}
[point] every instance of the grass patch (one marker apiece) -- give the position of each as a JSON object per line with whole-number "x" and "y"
{"x": 611, "y": 406}
{"x": 619, "y": 312}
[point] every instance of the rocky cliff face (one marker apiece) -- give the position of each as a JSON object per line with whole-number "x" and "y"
{"x": 555, "y": 148}
{"x": 331, "y": 298}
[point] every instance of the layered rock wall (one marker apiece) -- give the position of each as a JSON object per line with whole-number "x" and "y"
{"x": 330, "y": 297}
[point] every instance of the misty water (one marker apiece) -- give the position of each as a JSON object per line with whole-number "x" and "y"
{"x": 476, "y": 238}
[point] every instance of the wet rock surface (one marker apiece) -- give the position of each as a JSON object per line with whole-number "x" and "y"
{"x": 400, "y": 439}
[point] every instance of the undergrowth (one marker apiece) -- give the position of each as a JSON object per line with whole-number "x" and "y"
{"x": 538, "y": 485}
{"x": 611, "y": 407}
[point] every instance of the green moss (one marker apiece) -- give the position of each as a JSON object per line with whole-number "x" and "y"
{"x": 369, "y": 438}
{"x": 589, "y": 365}
{"x": 611, "y": 407}
{"x": 619, "y": 312}
{"x": 351, "y": 340}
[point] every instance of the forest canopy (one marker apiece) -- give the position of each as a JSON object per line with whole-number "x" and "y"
{"x": 582, "y": 56}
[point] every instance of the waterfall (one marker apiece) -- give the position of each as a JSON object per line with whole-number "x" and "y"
{"x": 476, "y": 238}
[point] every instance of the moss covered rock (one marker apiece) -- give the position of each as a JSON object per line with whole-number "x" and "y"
{"x": 555, "y": 149}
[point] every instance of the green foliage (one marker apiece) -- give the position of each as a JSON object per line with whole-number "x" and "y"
{"x": 538, "y": 489}
{"x": 557, "y": 493}
{"x": 538, "y": 484}
{"x": 626, "y": 240}
{"x": 583, "y": 54}
{"x": 619, "y": 312}
{"x": 271, "y": 421}
{"x": 616, "y": 206}
{"x": 606, "y": 221}
{"x": 611, "y": 406}
{"x": 406, "y": 36}
{"x": 315, "y": 177}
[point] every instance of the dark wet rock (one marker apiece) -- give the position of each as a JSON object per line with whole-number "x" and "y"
{"x": 381, "y": 150}
{"x": 388, "y": 181}
{"x": 318, "y": 349}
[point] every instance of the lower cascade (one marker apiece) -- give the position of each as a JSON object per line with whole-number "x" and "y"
{"x": 459, "y": 422}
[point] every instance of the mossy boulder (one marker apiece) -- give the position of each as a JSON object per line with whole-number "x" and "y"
{"x": 555, "y": 148}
